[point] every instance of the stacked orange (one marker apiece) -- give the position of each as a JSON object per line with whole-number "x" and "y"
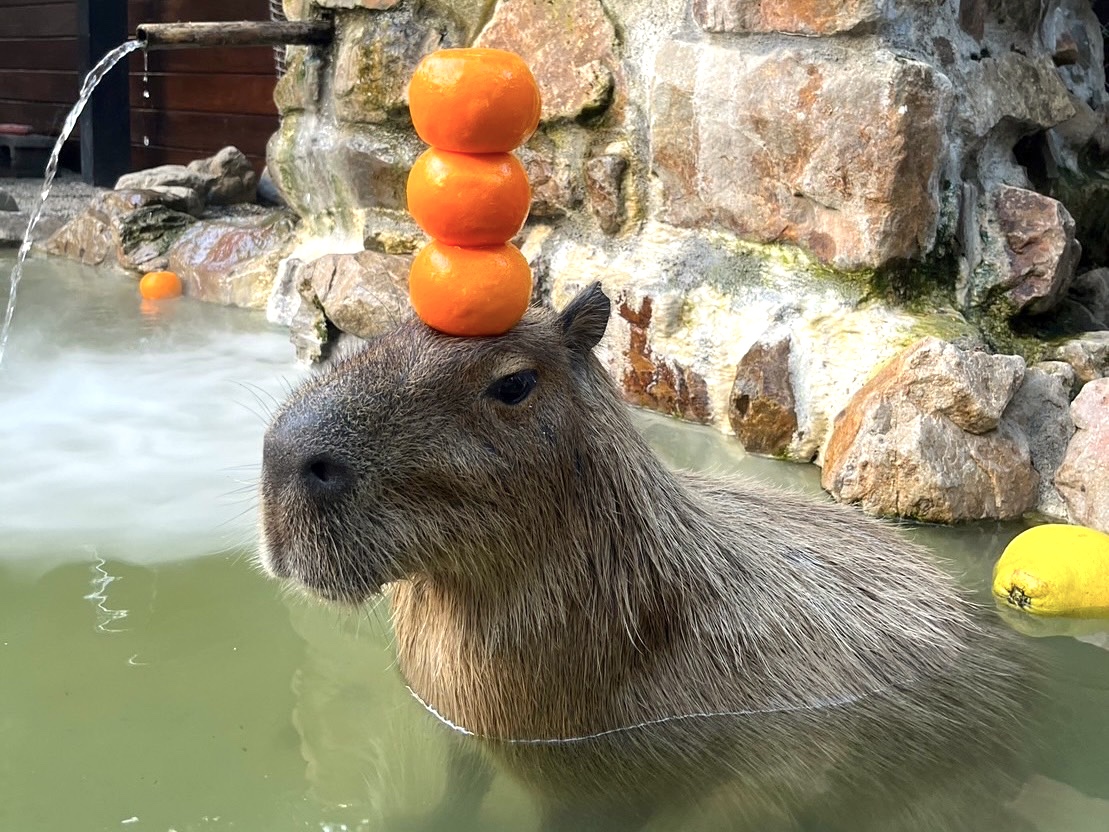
{"x": 468, "y": 191}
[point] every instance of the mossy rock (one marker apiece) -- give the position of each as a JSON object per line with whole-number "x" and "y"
{"x": 148, "y": 233}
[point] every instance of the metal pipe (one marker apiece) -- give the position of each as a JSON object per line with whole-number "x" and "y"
{"x": 237, "y": 33}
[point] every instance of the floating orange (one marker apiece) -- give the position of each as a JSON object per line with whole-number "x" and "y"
{"x": 467, "y": 199}
{"x": 470, "y": 291}
{"x": 159, "y": 285}
{"x": 474, "y": 100}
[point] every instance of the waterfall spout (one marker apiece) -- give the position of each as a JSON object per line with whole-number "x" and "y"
{"x": 239, "y": 33}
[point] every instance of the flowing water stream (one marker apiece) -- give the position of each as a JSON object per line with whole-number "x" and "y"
{"x": 152, "y": 679}
{"x": 88, "y": 86}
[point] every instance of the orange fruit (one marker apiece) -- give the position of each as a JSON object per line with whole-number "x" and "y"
{"x": 159, "y": 285}
{"x": 466, "y": 199}
{"x": 470, "y": 291}
{"x": 474, "y": 100}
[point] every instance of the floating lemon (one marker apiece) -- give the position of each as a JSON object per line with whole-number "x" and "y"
{"x": 1055, "y": 570}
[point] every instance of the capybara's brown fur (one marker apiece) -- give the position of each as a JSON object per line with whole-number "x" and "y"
{"x": 550, "y": 578}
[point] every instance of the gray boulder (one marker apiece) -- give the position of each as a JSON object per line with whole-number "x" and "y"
{"x": 925, "y": 438}
{"x": 230, "y": 175}
{"x": 164, "y": 176}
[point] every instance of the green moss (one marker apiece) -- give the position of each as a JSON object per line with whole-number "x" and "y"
{"x": 918, "y": 286}
{"x": 773, "y": 264}
{"x": 944, "y": 323}
{"x": 150, "y": 231}
{"x": 994, "y": 317}
{"x": 295, "y": 90}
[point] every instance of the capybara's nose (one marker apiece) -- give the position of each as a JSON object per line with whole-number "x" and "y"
{"x": 292, "y": 458}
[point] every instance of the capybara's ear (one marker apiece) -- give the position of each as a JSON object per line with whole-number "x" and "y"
{"x": 585, "y": 318}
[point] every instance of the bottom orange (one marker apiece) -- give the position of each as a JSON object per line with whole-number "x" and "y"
{"x": 470, "y": 291}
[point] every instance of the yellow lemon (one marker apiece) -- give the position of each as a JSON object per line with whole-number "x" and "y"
{"x": 1055, "y": 570}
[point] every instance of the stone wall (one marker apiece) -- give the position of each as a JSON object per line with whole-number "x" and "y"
{"x": 806, "y": 214}
{"x": 780, "y": 197}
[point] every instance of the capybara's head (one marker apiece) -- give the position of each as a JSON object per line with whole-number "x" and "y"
{"x": 427, "y": 454}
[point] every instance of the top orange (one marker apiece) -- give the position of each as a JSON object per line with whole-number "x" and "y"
{"x": 474, "y": 100}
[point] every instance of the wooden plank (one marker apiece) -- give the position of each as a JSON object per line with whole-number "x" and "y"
{"x": 40, "y": 54}
{"x": 45, "y": 86}
{"x": 36, "y": 3}
{"x": 172, "y": 11}
{"x": 250, "y": 94}
{"x": 44, "y": 20}
{"x": 44, "y": 118}
{"x": 204, "y": 132}
{"x": 254, "y": 60}
{"x": 149, "y": 157}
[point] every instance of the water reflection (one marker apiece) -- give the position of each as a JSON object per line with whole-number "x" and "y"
{"x": 101, "y": 580}
{"x": 371, "y": 753}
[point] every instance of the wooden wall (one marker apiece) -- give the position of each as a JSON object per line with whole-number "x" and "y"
{"x": 38, "y": 62}
{"x": 201, "y": 99}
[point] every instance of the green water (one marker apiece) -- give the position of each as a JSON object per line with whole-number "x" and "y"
{"x": 151, "y": 679}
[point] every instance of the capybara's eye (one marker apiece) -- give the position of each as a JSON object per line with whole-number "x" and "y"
{"x": 515, "y": 388}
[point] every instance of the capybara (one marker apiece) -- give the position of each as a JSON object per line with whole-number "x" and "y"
{"x": 552, "y": 580}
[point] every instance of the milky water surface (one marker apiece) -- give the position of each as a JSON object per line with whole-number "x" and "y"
{"x": 152, "y": 679}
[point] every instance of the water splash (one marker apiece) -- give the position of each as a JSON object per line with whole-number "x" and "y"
{"x": 91, "y": 80}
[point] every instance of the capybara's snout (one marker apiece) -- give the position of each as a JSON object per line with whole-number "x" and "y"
{"x": 299, "y": 461}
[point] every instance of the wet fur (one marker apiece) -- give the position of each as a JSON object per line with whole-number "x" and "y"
{"x": 551, "y": 578}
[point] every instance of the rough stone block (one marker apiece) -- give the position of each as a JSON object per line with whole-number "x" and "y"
{"x": 1088, "y": 355}
{"x": 1014, "y": 92}
{"x": 375, "y": 55}
{"x": 902, "y": 446}
{"x": 364, "y": 294}
{"x": 1041, "y": 409}
{"x": 762, "y": 408}
{"x": 233, "y": 259}
{"x": 570, "y": 47}
{"x": 1082, "y": 479}
{"x": 805, "y": 17}
{"x": 1091, "y": 290}
{"x": 1041, "y": 248}
{"x": 657, "y": 383}
{"x": 604, "y": 190}
{"x": 842, "y": 159}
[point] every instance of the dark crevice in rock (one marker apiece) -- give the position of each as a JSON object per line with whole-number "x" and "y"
{"x": 927, "y": 283}
{"x": 1031, "y": 153}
